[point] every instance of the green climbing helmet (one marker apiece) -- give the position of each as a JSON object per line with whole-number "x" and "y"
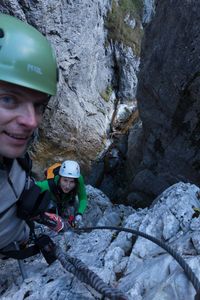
{"x": 26, "y": 57}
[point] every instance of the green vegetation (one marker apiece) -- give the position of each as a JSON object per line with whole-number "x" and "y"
{"x": 107, "y": 93}
{"x": 118, "y": 30}
{"x": 132, "y": 6}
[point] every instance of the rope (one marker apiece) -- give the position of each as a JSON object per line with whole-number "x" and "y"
{"x": 188, "y": 271}
{"x": 80, "y": 270}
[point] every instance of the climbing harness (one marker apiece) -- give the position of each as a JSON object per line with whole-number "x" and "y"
{"x": 41, "y": 244}
{"x": 188, "y": 271}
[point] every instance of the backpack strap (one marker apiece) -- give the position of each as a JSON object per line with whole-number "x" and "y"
{"x": 53, "y": 187}
{"x": 50, "y": 174}
{"x": 25, "y": 162}
{"x": 52, "y": 171}
{"x": 32, "y": 202}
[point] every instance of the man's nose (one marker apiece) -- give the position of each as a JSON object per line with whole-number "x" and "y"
{"x": 28, "y": 116}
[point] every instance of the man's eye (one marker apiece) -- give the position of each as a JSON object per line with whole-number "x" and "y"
{"x": 7, "y": 100}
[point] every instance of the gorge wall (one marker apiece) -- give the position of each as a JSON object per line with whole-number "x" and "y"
{"x": 166, "y": 147}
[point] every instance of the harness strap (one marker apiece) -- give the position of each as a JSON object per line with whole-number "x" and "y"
{"x": 53, "y": 186}
{"x": 54, "y": 190}
{"x": 25, "y": 162}
{"x": 43, "y": 244}
{"x": 22, "y": 253}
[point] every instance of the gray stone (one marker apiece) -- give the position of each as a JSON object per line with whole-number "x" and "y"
{"x": 137, "y": 266}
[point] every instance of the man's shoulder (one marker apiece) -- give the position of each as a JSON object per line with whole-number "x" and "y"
{"x": 14, "y": 166}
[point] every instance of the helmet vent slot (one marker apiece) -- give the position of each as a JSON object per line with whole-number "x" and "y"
{"x": 1, "y": 33}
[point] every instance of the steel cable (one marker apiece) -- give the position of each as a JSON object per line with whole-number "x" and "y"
{"x": 81, "y": 271}
{"x": 188, "y": 271}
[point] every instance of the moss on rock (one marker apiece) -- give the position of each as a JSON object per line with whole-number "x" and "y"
{"x": 119, "y": 30}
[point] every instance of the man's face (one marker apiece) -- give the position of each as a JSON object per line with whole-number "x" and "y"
{"x": 21, "y": 111}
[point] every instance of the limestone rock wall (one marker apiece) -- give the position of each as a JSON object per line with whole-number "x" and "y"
{"x": 76, "y": 120}
{"x": 92, "y": 76}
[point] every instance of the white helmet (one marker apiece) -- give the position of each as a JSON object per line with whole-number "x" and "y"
{"x": 70, "y": 168}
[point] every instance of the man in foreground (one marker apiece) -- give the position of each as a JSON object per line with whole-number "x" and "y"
{"x": 28, "y": 77}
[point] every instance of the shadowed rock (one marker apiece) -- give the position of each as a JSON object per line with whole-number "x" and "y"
{"x": 169, "y": 99}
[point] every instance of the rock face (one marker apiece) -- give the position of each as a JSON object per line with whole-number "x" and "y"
{"x": 169, "y": 101}
{"x": 138, "y": 267}
{"x": 149, "y": 10}
{"x": 92, "y": 75}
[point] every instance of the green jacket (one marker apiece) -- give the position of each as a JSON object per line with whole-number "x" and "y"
{"x": 81, "y": 193}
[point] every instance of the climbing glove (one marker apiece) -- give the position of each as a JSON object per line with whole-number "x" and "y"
{"x": 78, "y": 220}
{"x": 53, "y": 221}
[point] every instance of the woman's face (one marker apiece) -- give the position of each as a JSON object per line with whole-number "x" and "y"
{"x": 67, "y": 184}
